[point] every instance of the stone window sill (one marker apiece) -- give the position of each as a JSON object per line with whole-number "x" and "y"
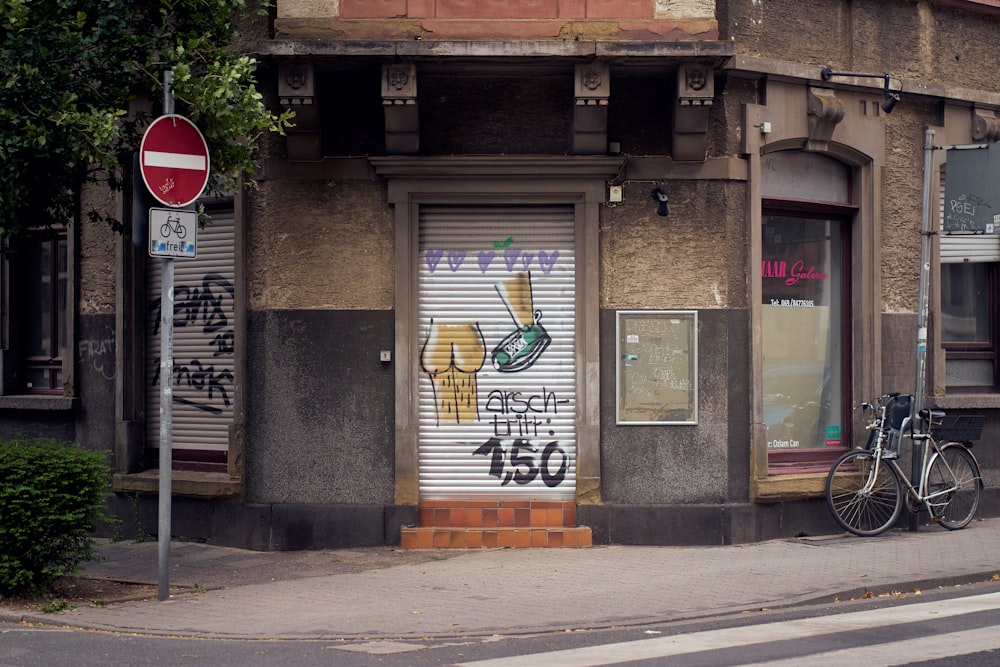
{"x": 966, "y": 401}
{"x": 39, "y": 403}
{"x": 182, "y": 483}
{"x": 785, "y": 488}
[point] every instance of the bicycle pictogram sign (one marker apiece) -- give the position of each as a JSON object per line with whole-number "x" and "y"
{"x": 173, "y": 233}
{"x": 173, "y": 224}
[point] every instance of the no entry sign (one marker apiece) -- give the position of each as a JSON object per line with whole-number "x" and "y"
{"x": 173, "y": 159}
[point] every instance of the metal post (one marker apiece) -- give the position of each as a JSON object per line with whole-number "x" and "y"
{"x": 166, "y": 393}
{"x": 925, "y": 269}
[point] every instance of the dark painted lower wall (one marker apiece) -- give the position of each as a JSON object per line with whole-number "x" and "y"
{"x": 262, "y": 527}
{"x": 320, "y": 408}
{"x": 320, "y": 447}
{"x": 35, "y": 423}
{"x": 317, "y": 526}
{"x": 95, "y": 382}
{"x": 677, "y": 465}
{"x": 706, "y": 524}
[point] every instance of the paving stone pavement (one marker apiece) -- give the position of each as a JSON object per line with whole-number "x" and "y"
{"x": 389, "y": 593}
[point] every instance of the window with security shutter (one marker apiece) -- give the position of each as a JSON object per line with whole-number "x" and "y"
{"x": 203, "y": 348}
{"x": 970, "y": 308}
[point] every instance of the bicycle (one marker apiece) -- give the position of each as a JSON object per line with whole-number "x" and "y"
{"x": 864, "y": 489}
{"x": 173, "y": 225}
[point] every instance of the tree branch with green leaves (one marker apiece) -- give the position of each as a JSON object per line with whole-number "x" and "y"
{"x": 73, "y": 74}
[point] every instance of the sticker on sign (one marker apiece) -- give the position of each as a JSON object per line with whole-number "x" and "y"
{"x": 173, "y": 233}
{"x": 173, "y": 160}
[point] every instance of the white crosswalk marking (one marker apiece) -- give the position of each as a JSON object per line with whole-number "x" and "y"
{"x": 661, "y": 647}
{"x": 934, "y": 647}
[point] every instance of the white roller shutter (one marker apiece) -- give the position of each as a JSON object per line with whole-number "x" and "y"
{"x": 203, "y": 383}
{"x": 497, "y": 371}
{"x": 958, "y": 248}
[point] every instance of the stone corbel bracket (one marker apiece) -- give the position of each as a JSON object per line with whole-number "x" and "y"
{"x": 399, "y": 102}
{"x": 695, "y": 95}
{"x": 592, "y": 89}
{"x": 825, "y": 110}
{"x": 297, "y": 91}
{"x": 985, "y": 125}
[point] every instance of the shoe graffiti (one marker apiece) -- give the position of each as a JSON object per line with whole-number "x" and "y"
{"x": 521, "y": 348}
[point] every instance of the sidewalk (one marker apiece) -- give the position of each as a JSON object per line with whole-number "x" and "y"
{"x": 332, "y": 594}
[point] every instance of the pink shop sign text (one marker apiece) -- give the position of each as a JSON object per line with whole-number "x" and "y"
{"x": 792, "y": 274}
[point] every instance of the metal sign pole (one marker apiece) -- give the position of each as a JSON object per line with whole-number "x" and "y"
{"x": 925, "y": 269}
{"x": 166, "y": 393}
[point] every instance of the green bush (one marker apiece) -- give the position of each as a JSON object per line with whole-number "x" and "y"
{"x": 51, "y": 495}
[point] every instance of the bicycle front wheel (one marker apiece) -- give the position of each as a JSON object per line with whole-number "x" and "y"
{"x": 954, "y": 485}
{"x": 863, "y": 497}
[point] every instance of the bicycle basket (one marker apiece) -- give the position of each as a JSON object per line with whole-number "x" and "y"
{"x": 960, "y": 428}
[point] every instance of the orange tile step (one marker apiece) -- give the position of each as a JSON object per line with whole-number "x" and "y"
{"x": 497, "y": 514}
{"x": 436, "y": 537}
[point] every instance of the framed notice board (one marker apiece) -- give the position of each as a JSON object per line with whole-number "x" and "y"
{"x": 657, "y": 352}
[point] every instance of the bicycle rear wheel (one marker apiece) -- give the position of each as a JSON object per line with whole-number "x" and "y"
{"x": 954, "y": 474}
{"x": 864, "y": 501}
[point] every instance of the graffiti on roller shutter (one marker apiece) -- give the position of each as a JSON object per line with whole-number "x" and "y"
{"x": 521, "y": 443}
{"x": 452, "y": 357}
{"x": 202, "y": 306}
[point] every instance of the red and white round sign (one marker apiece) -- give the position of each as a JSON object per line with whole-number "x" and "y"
{"x": 173, "y": 159}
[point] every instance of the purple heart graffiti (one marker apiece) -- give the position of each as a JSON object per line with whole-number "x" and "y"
{"x": 485, "y": 259}
{"x": 432, "y": 258}
{"x": 510, "y": 256}
{"x": 547, "y": 260}
{"x": 526, "y": 259}
{"x": 455, "y": 259}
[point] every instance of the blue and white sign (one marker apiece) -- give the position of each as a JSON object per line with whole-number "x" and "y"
{"x": 173, "y": 233}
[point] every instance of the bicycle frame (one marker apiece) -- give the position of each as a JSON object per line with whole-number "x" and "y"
{"x": 919, "y": 492}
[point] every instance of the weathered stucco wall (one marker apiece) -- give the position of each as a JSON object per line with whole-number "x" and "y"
{"x": 694, "y": 258}
{"x": 96, "y": 253}
{"x": 320, "y": 245}
{"x": 902, "y": 204}
{"x": 922, "y": 41}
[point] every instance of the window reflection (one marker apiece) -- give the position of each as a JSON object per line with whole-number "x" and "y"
{"x": 802, "y": 333}
{"x": 44, "y": 330}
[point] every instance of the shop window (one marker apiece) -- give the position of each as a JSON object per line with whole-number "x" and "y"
{"x": 804, "y": 311}
{"x": 969, "y": 326}
{"x": 36, "y": 315}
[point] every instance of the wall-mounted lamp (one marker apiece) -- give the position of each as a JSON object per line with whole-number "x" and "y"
{"x": 889, "y": 103}
{"x": 891, "y": 96}
{"x": 662, "y": 204}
